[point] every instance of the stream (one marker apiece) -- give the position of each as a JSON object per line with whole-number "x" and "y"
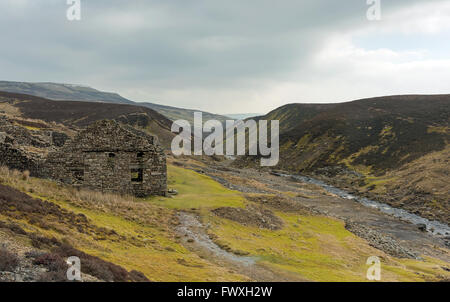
{"x": 433, "y": 227}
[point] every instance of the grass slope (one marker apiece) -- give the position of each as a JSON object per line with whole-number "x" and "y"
{"x": 144, "y": 239}
{"x": 138, "y": 234}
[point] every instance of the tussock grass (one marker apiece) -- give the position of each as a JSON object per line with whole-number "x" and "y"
{"x": 138, "y": 235}
{"x": 123, "y": 205}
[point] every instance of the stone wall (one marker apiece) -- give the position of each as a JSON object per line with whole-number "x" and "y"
{"x": 23, "y": 149}
{"x": 39, "y": 138}
{"x": 111, "y": 158}
{"x": 16, "y": 158}
{"x": 25, "y": 137}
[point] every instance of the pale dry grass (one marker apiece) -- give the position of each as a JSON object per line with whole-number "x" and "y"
{"x": 9, "y": 109}
{"x": 124, "y": 206}
{"x": 25, "y": 175}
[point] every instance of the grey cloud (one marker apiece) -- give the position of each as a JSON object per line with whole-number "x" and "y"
{"x": 170, "y": 45}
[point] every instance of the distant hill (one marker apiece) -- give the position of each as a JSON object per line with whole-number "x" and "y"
{"x": 375, "y": 134}
{"x": 65, "y": 92}
{"x": 174, "y": 113}
{"x": 242, "y": 116}
{"x": 69, "y": 92}
{"x": 80, "y": 114}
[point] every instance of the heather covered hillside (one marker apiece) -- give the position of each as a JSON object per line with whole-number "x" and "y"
{"x": 378, "y": 134}
{"x": 80, "y": 114}
{"x": 369, "y": 143}
{"x": 70, "y": 92}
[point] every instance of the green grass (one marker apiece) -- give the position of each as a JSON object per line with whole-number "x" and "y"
{"x": 32, "y": 128}
{"x": 197, "y": 191}
{"x": 317, "y": 248}
{"x": 378, "y": 181}
{"x": 148, "y": 248}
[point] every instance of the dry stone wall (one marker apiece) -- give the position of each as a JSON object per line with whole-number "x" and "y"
{"x": 16, "y": 158}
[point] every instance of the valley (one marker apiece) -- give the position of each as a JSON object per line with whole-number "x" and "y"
{"x": 390, "y": 149}
{"x": 317, "y": 216}
{"x": 220, "y": 149}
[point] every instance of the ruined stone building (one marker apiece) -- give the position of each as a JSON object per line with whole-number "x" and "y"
{"x": 111, "y": 157}
{"x": 15, "y": 157}
{"x": 22, "y": 149}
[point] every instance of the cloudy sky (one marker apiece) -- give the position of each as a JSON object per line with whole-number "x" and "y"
{"x": 230, "y": 56}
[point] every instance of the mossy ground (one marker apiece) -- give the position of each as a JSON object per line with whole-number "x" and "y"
{"x": 197, "y": 191}
{"x": 318, "y": 248}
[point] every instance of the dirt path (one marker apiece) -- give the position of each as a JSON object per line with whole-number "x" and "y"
{"x": 196, "y": 239}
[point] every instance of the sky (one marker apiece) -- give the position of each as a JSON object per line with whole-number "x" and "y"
{"x": 231, "y": 56}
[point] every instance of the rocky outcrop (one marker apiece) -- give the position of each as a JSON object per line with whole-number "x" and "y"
{"x": 381, "y": 241}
